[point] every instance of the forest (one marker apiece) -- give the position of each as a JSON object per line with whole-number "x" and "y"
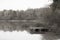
{"x": 11, "y": 20}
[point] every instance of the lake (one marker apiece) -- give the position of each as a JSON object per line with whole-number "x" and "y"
{"x": 19, "y": 36}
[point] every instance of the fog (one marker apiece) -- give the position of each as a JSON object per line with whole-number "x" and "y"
{"x": 19, "y": 36}
{"x": 21, "y": 5}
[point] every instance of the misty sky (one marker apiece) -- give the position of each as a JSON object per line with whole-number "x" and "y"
{"x": 21, "y": 5}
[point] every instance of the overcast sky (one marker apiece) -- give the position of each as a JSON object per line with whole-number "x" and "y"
{"x": 23, "y": 4}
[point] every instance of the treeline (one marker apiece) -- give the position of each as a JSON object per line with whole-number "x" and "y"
{"x": 29, "y": 14}
{"x": 46, "y": 18}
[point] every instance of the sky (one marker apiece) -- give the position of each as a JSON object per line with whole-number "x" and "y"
{"x": 21, "y": 5}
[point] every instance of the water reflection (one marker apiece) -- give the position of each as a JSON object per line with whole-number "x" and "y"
{"x": 18, "y": 36}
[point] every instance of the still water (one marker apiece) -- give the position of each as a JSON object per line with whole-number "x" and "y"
{"x": 19, "y": 36}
